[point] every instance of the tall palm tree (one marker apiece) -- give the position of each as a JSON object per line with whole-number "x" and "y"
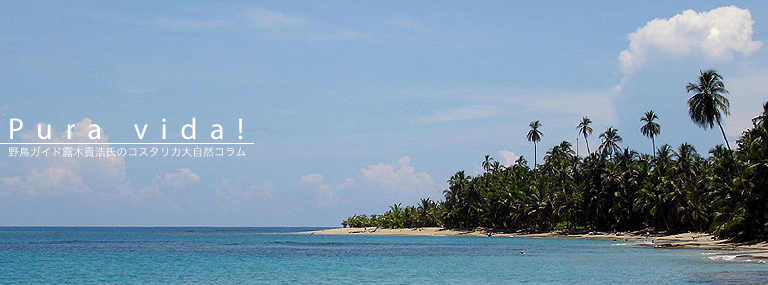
{"x": 487, "y": 163}
{"x": 585, "y": 130}
{"x": 611, "y": 139}
{"x": 651, "y": 129}
{"x": 534, "y": 135}
{"x": 708, "y": 104}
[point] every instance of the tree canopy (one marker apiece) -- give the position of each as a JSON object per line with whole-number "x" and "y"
{"x": 615, "y": 188}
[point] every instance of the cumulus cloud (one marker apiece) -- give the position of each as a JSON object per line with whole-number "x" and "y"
{"x": 507, "y": 158}
{"x": 325, "y": 192}
{"x": 183, "y": 177}
{"x": 96, "y": 190}
{"x": 376, "y": 183}
{"x": 718, "y": 34}
{"x": 56, "y": 179}
{"x": 57, "y": 174}
{"x": 401, "y": 176}
{"x": 103, "y": 179}
{"x": 164, "y": 191}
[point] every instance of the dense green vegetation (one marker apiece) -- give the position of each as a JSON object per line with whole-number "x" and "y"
{"x": 614, "y": 188}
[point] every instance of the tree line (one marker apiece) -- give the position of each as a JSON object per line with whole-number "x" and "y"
{"x": 674, "y": 189}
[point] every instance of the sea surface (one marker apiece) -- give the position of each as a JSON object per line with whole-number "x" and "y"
{"x": 158, "y": 255}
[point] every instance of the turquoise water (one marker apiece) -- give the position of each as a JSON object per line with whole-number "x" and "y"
{"x": 64, "y": 255}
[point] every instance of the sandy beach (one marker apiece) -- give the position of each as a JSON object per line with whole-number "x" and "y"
{"x": 753, "y": 252}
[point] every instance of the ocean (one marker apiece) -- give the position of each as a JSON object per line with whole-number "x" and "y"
{"x": 191, "y": 255}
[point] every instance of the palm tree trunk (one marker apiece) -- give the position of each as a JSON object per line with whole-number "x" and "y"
{"x": 724, "y": 137}
{"x": 585, "y": 139}
{"x": 653, "y": 141}
{"x": 534, "y": 155}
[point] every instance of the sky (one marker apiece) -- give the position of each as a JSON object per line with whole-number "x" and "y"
{"x": 351, "y": 106}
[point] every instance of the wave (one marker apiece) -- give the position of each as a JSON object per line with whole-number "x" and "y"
{"x": 743, "y": 257}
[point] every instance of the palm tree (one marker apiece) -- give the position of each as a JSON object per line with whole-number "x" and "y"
{"x": 611, "y": 141}
{"x": 708, "y": 104}
{"x": 651, "y": 129}
{"x": 534, "y": 135}
{"x": 585, "y": 130}
{"x": 426, "y": 212}
{"x": 455, "y": 203}
{"x": 487, "y": 163}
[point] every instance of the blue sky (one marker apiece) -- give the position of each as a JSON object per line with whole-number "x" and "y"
{"x": 352, "y": 105}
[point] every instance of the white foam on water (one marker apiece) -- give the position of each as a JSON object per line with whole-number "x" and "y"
{"x": 723, "y": 257}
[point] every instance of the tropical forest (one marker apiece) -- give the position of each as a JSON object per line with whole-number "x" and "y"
{"x": 722, "y": 190}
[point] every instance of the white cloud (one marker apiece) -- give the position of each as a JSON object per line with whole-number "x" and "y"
{"x": 718, "y": 34}
{"x": 507, "y": 158}
{"x": 326, "y": 193}
{"x": 49, "y": 174}
{"x": 97, "y": 189}
{"x": 184, "y": 177}
{"x": 377, "y": 185}
{"x": 102, "y": 179}
{"x": 405, "y": 23}
{"x": 54, "y": 179}
{"x": 463, "y": 113}
{"x": 273, "y": 21}
{"x": 165, "y": 191}
{"x": 401, "y": 177}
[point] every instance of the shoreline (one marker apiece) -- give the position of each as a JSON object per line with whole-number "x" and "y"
{"x": 756, "y": 252}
